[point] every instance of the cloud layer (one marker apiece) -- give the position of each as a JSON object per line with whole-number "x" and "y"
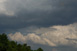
{"x": 58, "y": 35}
{"x": 18, "y": 14}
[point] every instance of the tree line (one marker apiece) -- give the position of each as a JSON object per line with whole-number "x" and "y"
{"x": 7, "y": 45}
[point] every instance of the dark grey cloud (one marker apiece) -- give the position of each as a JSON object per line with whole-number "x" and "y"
{"x": 61, "y": 12}
{"x": 58, "y": 12}
{"x": 71, "y": 39}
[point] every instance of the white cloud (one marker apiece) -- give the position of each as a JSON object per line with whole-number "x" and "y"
{"x": 30, "y": 37}
{"x": 53, "y": 36}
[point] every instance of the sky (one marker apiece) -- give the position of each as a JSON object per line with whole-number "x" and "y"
{"x": 49, "y": 24}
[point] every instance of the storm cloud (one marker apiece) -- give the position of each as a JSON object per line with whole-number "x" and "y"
{"x": 17, "y": 14}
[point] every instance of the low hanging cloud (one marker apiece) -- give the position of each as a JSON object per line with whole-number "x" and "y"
{"x": 59, "y": 35}
{"x": 30, "y": 37}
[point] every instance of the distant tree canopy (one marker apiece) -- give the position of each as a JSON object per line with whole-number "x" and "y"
{"x": 7, "y": 45}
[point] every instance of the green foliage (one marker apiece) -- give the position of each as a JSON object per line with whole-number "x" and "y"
{"x": 6, "y": 45}
{"x": 39, "y": 49}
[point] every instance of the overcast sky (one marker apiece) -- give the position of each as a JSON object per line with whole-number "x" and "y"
{"x": 50, "y": 24}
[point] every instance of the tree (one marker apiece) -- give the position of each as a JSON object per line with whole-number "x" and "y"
{"x": 7, "y": 45}
{"x": 39, "y": 49}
